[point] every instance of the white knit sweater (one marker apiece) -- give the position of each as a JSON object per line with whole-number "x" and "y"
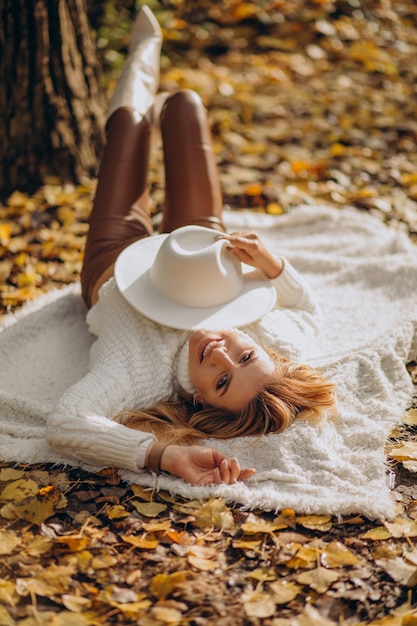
{"x": 135, "y": 363}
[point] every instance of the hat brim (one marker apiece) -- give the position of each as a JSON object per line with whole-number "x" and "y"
{"x": 131, "y": 273}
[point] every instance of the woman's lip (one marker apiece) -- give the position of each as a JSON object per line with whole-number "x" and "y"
{"x": 203, "y": 345}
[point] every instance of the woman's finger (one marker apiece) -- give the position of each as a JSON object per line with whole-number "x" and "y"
{"x": 234, "y": 470}
{"x": 225, "y": 472}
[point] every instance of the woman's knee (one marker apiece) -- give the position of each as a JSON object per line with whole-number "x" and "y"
{"x": 185, "y": 105}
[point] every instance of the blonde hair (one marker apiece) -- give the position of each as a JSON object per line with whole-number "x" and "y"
{"x": 294, "y": 391}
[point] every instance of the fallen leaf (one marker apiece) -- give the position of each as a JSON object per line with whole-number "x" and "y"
{"x": 319, "y": 579}
{"x": 263, "y": 574}
{"x": 336, "y": 554}
{"x": 143, "y": 542}
{"x": 258, "y": 604}
{"x": 402, "y": 527}
{"x": 75, "y": 604}
{"x": 399, "y": 570}
{"x": 379, "y": 533}
{"x": 149, "y": 509}
{"x": 9, "y": 541}
{"x": 410, "y": 417}
{"x": 117, "y": 511}
{"x": 284, "y": 591}
{"x": 253, "y": 525}
{"x": 162, "y": 585}
{"x": 34, "y": 508}
{"x": 214, "y": 514}
{"x": 315, "y": 522}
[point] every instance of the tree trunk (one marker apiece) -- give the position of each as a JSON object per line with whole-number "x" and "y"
{"x": 52, "y": 107}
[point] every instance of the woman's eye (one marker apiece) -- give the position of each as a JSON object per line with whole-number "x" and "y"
{"x": 246, "y": 357}
{"x": 221, "y": 383}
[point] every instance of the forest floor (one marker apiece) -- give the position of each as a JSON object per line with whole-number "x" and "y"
{"x": 311, "y": 102}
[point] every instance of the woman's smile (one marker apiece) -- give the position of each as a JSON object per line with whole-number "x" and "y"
{"x": 227, "y": 368}
{"x": 207, "y": 345}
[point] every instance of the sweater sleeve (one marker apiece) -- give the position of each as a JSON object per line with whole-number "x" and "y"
{"x": 293, "y": 292}
{"x": 81, "y": 425}
{"x": 130, "y": 368}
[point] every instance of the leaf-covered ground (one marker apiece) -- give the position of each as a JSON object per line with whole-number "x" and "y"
{"x": 310, "y": 101}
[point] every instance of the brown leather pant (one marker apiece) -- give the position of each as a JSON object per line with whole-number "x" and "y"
{"x": 120, "y": 212}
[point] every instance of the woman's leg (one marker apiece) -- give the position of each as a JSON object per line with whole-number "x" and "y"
{"x": 120, "y": 212}
{"x": 192, "y": 193}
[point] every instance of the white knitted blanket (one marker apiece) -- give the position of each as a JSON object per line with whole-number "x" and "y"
{"x": 365, "y": 275}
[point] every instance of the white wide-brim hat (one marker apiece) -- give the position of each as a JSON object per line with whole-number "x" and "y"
{"x": 188, "y": 279}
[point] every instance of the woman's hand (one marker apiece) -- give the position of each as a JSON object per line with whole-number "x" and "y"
{"x": 200, "y": 465}
{"x": 250, "y": 249}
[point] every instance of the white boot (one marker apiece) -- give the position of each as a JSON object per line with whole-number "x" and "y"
{"x": 138, "y": 82}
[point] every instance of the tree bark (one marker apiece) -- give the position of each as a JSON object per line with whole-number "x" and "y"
{"x": 52, "y": 107}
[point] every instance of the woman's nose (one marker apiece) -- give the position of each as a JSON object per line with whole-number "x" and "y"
{"x": 220, "y": 356}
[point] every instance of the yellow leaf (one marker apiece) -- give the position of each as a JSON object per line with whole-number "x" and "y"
{"x": 409, "y": 179}
{"x": 410, "y": 417}
{"x": 8, "y": 541}
{"x": 242, "y": 544}
{"x": 284, "y": 591}
{"x": 8, "y": 593}
{"x": 65, "y": 215}
{"x": 337, "y": 149}
{"x": 20, "y": 200}
{"x": 103, "y": 561}
{"x": 255, "y": 189}
{"x": 319, "y": 579}
{"x": 72, "y": 543}
{"x": 143, "y": 542}
{"x": 39, "y": 545}
{"x": 315, "y": 522}
{"x": 27, "y": 278}
{"x": 263, "y": 574}
{"x": 254, "y": 525}
{"x": 74, "y": 603}
{"x": 54, "y": 580}
{"x": 404, "y": 452}
{"x": 274, "y": 209}
{"x": 335, "y": 554}
{"x": 117, "y": 511}
{"x": 204, "y": 551}
{"x": 304, "y": 557}
{"x": 5, "y": 234}
{"x": 163, "y": 584}
{"x": 214, "y": 514}
{"x": 131, "y": 610}
{"x": 5, "y": 617}
{"x": 244, "y": 10}
{"x": 205, "y": 565}
{"x": 258, "y": 604}
{"x": 157, "y": 526}
{"x": 36, "y": 508}
{"x": 9, "y": 473}
{"x": 19, "y": 489}
{"x": 402, "y": 527}
{"x": 149, "y": 509}
{"x": 377, "y": 534}
{"x": 175, "y": 536}
{"x": 300, "y": 166}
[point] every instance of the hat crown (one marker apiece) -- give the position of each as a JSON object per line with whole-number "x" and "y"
{"x": 194, "y": 268}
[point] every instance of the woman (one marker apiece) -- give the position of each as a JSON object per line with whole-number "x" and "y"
{"x": 149, "y": 380}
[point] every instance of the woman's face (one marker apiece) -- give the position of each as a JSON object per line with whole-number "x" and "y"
{"x": 227, "y": 368}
